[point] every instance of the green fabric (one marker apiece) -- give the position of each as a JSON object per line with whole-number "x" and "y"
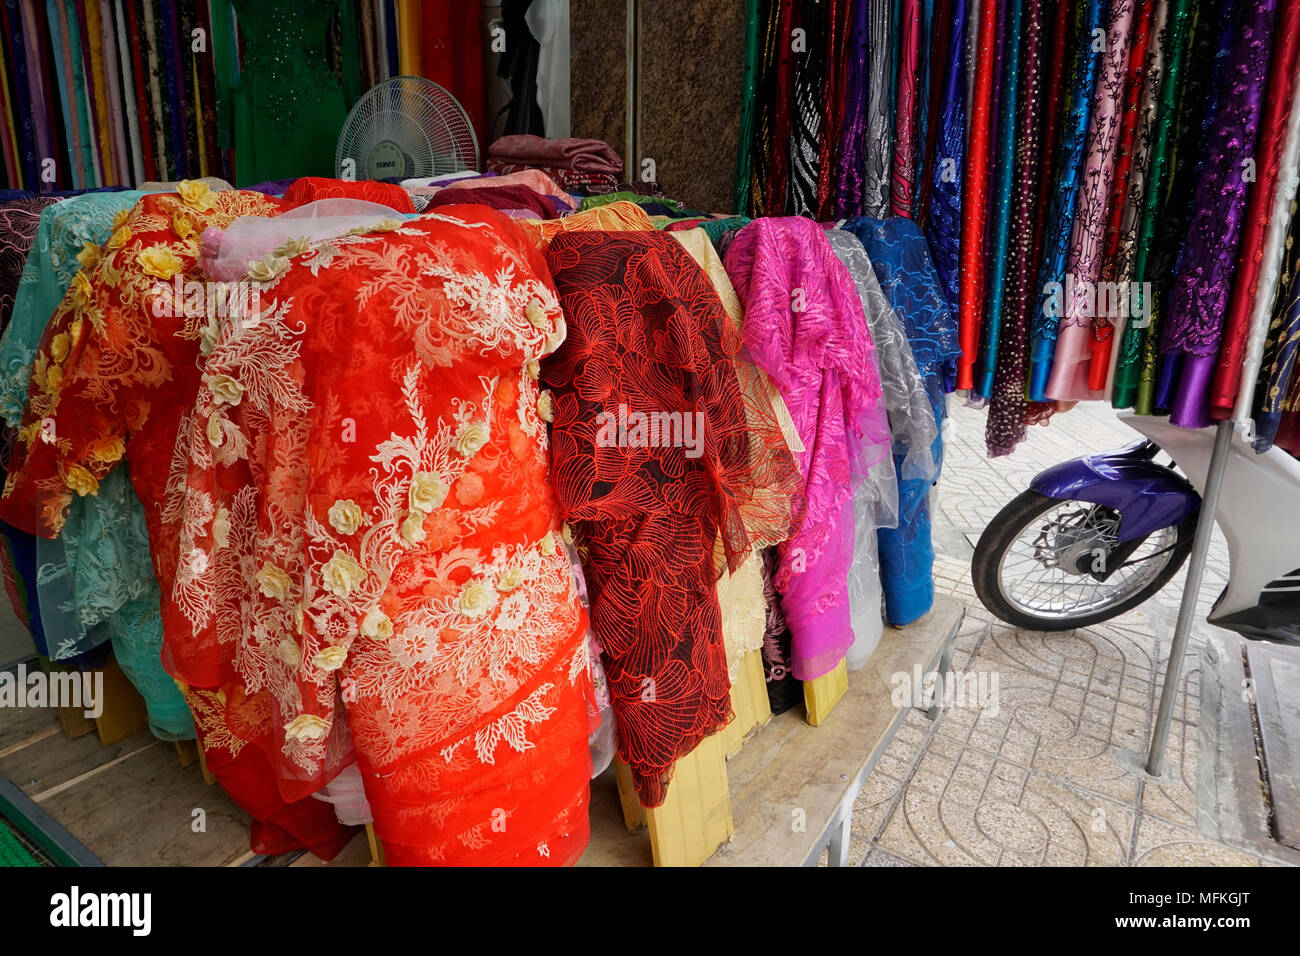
{"x": 288, "y": 107}
{"x": 591, "y": 202}
{"x": 225, "y": 69}
{"x": 12, "y": 852}
{"x": 740, "y": 196}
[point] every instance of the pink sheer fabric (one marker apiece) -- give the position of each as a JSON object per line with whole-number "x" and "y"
{"x": 805, "y": 328}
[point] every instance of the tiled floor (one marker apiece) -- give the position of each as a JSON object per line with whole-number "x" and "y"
{"x": 1034, "y": 781}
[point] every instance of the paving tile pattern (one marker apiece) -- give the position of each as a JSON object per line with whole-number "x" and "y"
{"x": 1030, "y": 779}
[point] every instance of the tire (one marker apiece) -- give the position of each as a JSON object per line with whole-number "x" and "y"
{"x": 1019, "y": 515}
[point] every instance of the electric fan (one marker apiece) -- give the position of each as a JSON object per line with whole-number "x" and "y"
{"x": 407, "y": 127}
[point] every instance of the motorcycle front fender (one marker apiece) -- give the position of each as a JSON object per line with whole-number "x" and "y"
{"x": 1147, "y": 496}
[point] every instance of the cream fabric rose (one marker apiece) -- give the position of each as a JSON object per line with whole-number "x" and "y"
{"x": 306, "y": 727}
{"x": 274, "y": 582}
{"x": 548, "y": 544}
{"x": 226, "y": 390}
{"x": 221, "y": 528}
{"x": 81, "y": 481}
{"x": 376, "y": 625}
{"x": 536, "y": 313}
{"x": 413, "y": 528}
{"x": 159, "y": 261}
{"x": 59, "y": 347}
{"x": 81, "y": 289}
{"x": 511, "y": 578}
{"x": 534, "y": 368}
{"x": 566, "y": 533}
{"x": 299, "y": 617}
{"x": 345, "y": 516}
{"x": 198, "y": 560}
{"x": 216, "y": 433}
{"x": 470, "y": 437}
{"x": 290, "y": 653}
{"x": 387, "y": 225}
{"x": 330, "y": 658}
{"x": 341, "y": 574}
{"x": 546, "y": 406}
{"x": 293, "y": 246}
{"x": 476, "y": 599}
{"x": 266, "y": 269}
{"x": 427, "y": 493}
{"x": 194, "y": 193}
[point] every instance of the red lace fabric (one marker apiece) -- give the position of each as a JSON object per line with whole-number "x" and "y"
{"x": 648, "y": 336}
{"x": 310, "y": 188}
{"x": 111, "y": 381}
{"x": 371, "y": 543}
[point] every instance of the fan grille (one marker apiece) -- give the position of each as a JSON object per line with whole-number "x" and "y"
{"x": 406, "y": 127}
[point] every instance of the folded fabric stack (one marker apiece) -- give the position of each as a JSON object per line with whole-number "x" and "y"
{"x": 579, "y": 165}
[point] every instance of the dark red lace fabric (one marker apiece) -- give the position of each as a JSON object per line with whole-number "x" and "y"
{"x": 311, "y": 188}
{"x": 647, "y": 335}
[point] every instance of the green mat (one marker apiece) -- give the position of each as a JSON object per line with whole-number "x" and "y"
{"x": 12, "y": 852}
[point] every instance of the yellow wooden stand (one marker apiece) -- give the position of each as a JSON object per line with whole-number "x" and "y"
{"x": 124, "y": 713}
{"x": 749, "y": 702}
{"x": 187, "y": 751}
{"x": 821, "y": 695}
{"x": 208, "y": 776}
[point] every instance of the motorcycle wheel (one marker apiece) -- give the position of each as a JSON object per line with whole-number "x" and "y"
{"x": 1031, "y": 565}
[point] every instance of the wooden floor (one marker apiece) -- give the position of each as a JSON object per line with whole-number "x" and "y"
{"x": 133, "y": 804}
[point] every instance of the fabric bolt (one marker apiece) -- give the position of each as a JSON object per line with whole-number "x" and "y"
{"x": 1274, "y": 260}
{"x": 765, "y": 157}
{"x": 1001, "y": 186}
{"x": 975, "y": 197}
{"x": 1199, "y": 300}
{"x": 878, "y": 132}
{"x": 523, "y": 198}
{"x": 1276, "y": 110}
{"x": 1069, "y": 173}
{"x": 783, "y": 690}
{"x": 943, "y": 221}
{"x": 808, "y": 84}
{"x": 850, "y": 151}
{"x": 1176, "y": 49}
{"x": 838, "y": 17}
{"x": 805, "y": 328}
{"x": 1275, "y": 398}
{"x": 1069, "y": 377}
{"x": 1127, "y": 201}
{"x": 907, "y": 110}
{"x": 121, "y": 391}
{"x": 1206, "y": 73}
{"x": 901, "y": 260}
{"x": 646, "y": 512}
{"x": 1006, "y": 415}
{"x": 749, "y": 108}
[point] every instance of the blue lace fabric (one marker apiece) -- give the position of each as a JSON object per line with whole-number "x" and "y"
{"x": 943, "y": 216}
{"x": 95, "y": 582}
{"x": 901, "y": 259}
{"x": 1070, "y": 164}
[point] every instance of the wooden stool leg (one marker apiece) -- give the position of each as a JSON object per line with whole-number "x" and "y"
{"x": 376, "y": 847}
{"x": 821, "y": 695}
{"x": 125, "y": 714}
{"x": 633, "y": 812}
{"x": 695, "y": 818}
{"x": 187, "y": 751}
{"x": 208, "y": 776}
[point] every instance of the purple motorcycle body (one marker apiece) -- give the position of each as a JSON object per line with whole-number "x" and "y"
{"x": 1147, "y": 496}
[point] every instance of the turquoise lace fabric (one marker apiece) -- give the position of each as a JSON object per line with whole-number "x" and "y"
{"x": 95, "y": 581}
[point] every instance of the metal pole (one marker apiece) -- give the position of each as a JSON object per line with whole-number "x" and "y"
{"x": 1187, "y": 610}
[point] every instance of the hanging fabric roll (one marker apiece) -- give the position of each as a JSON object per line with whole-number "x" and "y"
{"x": 1198, "y": 305}
{"x": 943, "y": 223}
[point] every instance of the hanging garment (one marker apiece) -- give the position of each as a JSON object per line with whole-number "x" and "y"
{"x": 548, "y": 21}
{"x": 1276, "y": 110}
{"x": 646, "y": 509}
{"x": 1006, "y": 416}
{"x": 1198, "y": 303}
{"x": 804, "y": 327}
{"x": 121, "y": 390}
{"x": 287, "y": 108}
